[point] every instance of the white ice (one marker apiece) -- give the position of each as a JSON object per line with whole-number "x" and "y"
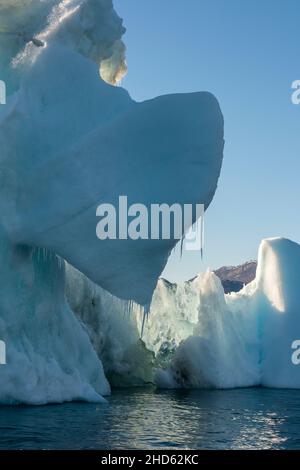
{"x": 49, "y": 356}
{"x": 195, "y": 335}
{"x": 240, "y": 339}
{"x": 70, "y": 141}
{"x": 82, "y": 142}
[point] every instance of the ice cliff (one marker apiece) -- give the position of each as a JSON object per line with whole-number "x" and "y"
{"x": 70, "y": 141}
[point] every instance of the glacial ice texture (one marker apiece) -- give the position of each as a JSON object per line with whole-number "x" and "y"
{"x": 195, "y": 335}
{"x": 70, "y": 141}
{"x": 240, "y": 339}
{"x": 49, "y": 356}
{"x": 82, "y": 142}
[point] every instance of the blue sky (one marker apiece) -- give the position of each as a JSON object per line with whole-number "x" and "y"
{"x": 247, "y": 54}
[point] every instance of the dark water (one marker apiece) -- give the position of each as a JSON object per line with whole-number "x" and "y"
{"x": 146, "y": 419}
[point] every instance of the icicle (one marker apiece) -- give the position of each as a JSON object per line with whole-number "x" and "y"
{"x": 128, "y": 308}
{"x": 181, "y": 245}
{"x": 202, "y": 235}
{"x": 145, "y": 311}
{"x": 60, "y": 261}
{"x": 174, "y": 249}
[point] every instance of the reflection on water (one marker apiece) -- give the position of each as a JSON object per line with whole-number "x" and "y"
{"x": 147, "y": 419}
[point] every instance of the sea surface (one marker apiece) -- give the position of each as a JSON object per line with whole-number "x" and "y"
{"x": 147, "y": 419}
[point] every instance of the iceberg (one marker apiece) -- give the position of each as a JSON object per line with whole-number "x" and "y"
{"x": 240, "y": 339}
{"x": 196, "y": 336}
{"x": 72, "y": 307}
{"x": 82, "y": 142}
{"x": 70, "y": 141}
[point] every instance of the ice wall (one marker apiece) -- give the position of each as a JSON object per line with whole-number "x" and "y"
{"x": 244, "y": 338}
{"x": 114, "y": 327}
{"x": 69, "y": 142}
{"x": 221, "y": 350}
{"x": 195, "y": 336}
{"x": 49, "y": 357}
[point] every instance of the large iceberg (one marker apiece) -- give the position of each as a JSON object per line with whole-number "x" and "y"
{"x": 69, "y": 142}
{"x": 82, "y": 142}
{"x": 197, "y": 336}
{"x": 239, "y": 339}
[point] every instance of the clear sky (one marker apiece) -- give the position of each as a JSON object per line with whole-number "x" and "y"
{"x": 248, "y": 54}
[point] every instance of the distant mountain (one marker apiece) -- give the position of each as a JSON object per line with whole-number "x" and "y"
{"x": 233, "y": 278}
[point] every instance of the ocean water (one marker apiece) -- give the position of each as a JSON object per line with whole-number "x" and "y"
{"x": 147, "y": 419}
